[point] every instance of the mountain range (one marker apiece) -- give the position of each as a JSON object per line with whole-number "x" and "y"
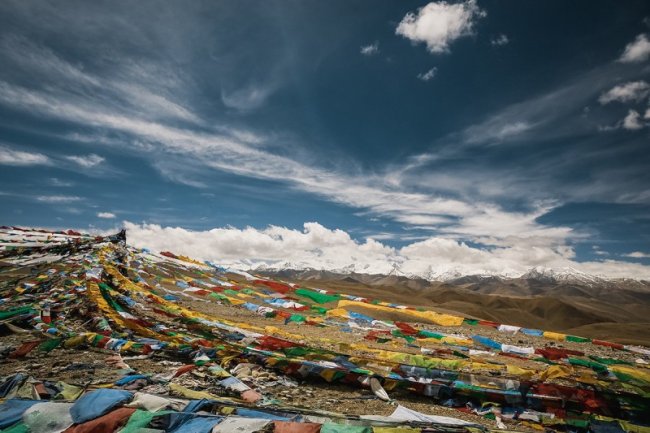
{"x": 560, "y": 300}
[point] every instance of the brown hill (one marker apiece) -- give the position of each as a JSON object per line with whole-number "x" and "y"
{"x": 617, "y": 311}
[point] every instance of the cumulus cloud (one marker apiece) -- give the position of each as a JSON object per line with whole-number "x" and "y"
{"x": 106, "y": 215}
{"x": 315, "y": 246}
{"x": 370, "y": 50}
{"x": 428, "y": 75}
{"x": 438, "y": 24}
{"x": 318, "y": 247}
{"x": 632, "y": 121}
{"x": 632, "y": 91}
{"x": 86, "y": 161}
{"x": 499, "y": 40}
{"x": 636, "y": 51}
{"x": 10, "y": 156}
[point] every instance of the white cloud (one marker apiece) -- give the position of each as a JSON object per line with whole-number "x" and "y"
{"x": 637, "y": 50}
{"x": 10, "y": 156}
{"x": 638, "y": 255}
{"x": 71, "y": 210}
{"x": 142, "y": 97}
{"x": 58, "y": 198}
{"x": 321, "y": 248}
{"x": 54, "y": 181}
{"x": 315, "y": 246}
{"x": 106, "y": 215}
{"x": 248, "y": 97}
{"x": 128, "y": 87}
{"x": 370, "y": 50}
{"x": 104, "y": 102}
{"x": 499, "y": 40}
{"x": 632, "y": 91}
{"x": 428, "y": 75}
{"x": 511, "y": 129}
{"x": 438, "y": 24}
{"x": 496, "y": 131}
{"x": 86, "y": 161}
{"x": 632, "y": 121}
{"x": 598, "y": 251}
{"x": 184, "y": 174}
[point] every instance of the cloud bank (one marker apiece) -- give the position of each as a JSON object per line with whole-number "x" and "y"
{"x": 321, "y": 248}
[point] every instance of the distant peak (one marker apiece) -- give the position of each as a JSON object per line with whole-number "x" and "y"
{"x": 566, "y": 274}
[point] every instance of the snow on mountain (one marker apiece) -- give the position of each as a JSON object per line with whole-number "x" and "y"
{"x": 561, "y": 275}
{"x": 539, "y": 273}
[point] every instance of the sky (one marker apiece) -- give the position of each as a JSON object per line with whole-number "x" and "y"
{"x": 471, "y": 136}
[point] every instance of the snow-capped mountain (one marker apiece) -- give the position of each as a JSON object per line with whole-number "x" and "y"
{"x": 449, "y": 275}
{"x": 561, "y": 275}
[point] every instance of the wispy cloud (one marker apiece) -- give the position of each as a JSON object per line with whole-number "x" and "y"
{"x": 86, "y": 161}
{"x": 214, "y": 146}
{"x": 126, "y": 88}
{"x": 55, "y": 181}
{"x": 240, "y": 158}
{"x": 248, "y": 97}
{"x": 9, "y": 156}
{"x": 182, "y": 172}
{"x": 106, "y": 215}
{"x": 438, "y": 24}
{"x": 533, "y": 131}
{"x": 56, "y": 199}
{"x": 552, "y": 114}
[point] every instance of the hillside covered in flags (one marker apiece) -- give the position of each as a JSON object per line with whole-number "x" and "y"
{"x": 98, "y": 336}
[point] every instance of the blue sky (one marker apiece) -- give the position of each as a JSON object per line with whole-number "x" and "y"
{"x": 504, "y": 135}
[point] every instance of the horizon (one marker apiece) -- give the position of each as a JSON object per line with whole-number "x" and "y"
{"x": 475, "y": 135}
